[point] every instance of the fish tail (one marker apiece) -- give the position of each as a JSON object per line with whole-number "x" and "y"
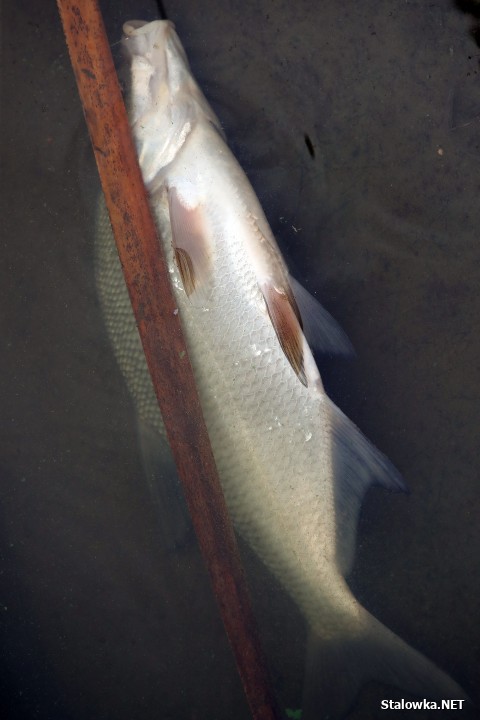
{"x": 338, "y": 668}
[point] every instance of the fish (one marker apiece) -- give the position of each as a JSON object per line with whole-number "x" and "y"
{"x": 294, "y": 469}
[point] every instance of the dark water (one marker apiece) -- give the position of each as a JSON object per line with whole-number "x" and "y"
{"x": 359, "y": 125}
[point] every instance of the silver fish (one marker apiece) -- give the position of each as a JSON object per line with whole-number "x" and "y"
{"x": 293, "y": 468}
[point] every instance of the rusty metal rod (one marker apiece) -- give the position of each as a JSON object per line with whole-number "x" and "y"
{"x": 154, "y": 304}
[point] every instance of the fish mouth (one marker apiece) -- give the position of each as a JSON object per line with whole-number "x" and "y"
{"x": 150, "y": 39}
{"x": 139, "y": 27}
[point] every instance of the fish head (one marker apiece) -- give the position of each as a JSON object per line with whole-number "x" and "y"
{"x": 164, "y": 101}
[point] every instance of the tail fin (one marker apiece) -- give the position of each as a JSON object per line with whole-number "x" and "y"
{"x": 338, "y": 668}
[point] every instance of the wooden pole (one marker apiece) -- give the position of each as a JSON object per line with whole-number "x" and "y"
{"x": 165, "y": 349}
{"x": 154, "y": 307}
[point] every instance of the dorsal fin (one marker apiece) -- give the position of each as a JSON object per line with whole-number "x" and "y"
{"x": 192, "y": 245}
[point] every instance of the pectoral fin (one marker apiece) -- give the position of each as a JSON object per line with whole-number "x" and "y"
{"x": 192, "y": 245}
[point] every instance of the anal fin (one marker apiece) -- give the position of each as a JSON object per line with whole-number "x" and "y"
{"x": 357, "y": 464}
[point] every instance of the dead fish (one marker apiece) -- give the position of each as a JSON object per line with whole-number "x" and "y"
{"x": 293, "y": 468}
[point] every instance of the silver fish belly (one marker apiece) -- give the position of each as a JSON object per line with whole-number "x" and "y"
{"x": 293, "y": 468}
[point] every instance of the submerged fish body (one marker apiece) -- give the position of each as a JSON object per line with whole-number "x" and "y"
{"x": 293, "y": 468}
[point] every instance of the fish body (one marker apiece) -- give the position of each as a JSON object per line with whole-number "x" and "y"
{"x": 293, "y": 468}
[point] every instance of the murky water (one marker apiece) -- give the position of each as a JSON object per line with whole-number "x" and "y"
{"x": 359, "y": 128}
